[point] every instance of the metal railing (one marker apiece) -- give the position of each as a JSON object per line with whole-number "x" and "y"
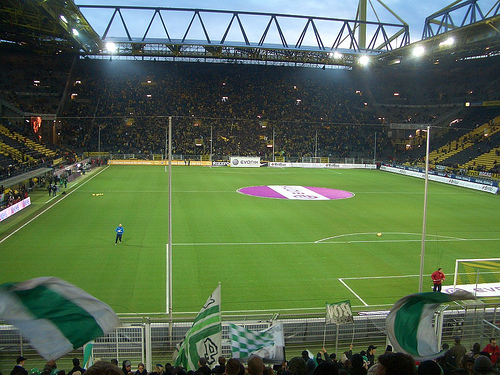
{"x": 152, "y": 340}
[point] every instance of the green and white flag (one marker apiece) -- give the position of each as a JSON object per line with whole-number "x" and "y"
{"x": 204, "y": 337}
{"x": 409, "y": 323}
{"x": 339, "y": 313}
{"x": 268, "y": 344}
{"x": 88, "y": 355}
{"x": 55, "y": 316}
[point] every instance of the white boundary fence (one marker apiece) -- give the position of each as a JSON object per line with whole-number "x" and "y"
{"x": 146, "y": 339}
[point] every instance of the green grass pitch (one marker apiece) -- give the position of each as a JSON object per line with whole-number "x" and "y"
{"x": 268, "y": 254}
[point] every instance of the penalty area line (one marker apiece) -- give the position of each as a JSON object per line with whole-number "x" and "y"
{"x": 353, "y": 292}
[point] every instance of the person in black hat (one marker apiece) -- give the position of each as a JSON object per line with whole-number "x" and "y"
{"x": 370, "y": 355}
{"x": 19, "y": 367}
{"x": 76, "y": 367}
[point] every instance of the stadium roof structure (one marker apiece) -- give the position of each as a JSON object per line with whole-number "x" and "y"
{"x": 233, "y": 36}
{"x": 248, "y": 35}
{"x": 459, "y": 31}
{"x": 47, "y": 26}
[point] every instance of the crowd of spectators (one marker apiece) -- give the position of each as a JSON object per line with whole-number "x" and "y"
{"x": 454, "y": 360}
{"x": 239, "y": 109}
{"x": 310, "y": 111}
{"x": 32, "y": 82}
{"x": 435, "y": 83}
{"x": 12, "y": 196}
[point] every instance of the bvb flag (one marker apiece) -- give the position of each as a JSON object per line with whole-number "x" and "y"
{"x": 204, "y": 337}
{"x": 268, "y": 344}
{"x": 339, "y": 313}
{"x": 409, "y": 323}
{"x": 55, "y": 316}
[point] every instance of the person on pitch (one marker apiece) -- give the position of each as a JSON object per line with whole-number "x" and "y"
{"x": 119, "y": 232}
{"x": 437, "y": 278}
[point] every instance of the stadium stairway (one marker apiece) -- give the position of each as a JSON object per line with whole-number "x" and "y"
{"x": 37, "y": 148}
{"x": 463, "y": 149}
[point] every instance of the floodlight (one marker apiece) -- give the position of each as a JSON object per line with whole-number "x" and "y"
{"x": 448, "y": 42}
{"x": 63, "y": 18}
{"x": 111, "y": 47}
{"x": 75, "y": 32}
{"x": 418, "y": 51}
{"x": 337, "y": 55}
{"x": 364, "y": 60}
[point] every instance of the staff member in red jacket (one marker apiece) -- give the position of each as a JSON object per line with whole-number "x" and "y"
{"x": 437, "y": 278}
{"x": 493, "y": 350}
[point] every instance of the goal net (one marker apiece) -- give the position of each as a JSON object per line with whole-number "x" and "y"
{"x": 479, "y": 276}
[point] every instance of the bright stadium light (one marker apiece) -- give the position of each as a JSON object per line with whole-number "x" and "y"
{"x": 111, "y": 47}
{"x": 63, "y": 18}
{"x": 364, "y": 60}
{"x": 337, "y": 55}
{"x": 75, "y": 32}
{"x": 418, "y": 51}
{"x": 448, "y": 42}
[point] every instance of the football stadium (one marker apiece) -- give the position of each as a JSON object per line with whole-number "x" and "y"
{"x": 181, "y": 184}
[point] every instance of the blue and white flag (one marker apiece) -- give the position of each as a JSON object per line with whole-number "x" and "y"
{"x": 409, "y": 323}
{"x": 55, "y": 316}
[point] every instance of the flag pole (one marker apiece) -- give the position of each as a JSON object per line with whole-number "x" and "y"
{"x": 166, "y": 147}
{"x": 211, "y": 145}
{"x": 422, "y": 251}
{"x": 337, "y": 339}
{"x": 324, "y": 334}
{"x": 169, "y": 252}
{"x": 274, "y": 159}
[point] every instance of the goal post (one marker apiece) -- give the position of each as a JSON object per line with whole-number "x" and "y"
{"x": 473, "y": 272}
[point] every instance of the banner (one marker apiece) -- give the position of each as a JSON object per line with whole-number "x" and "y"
{"x": 15, "y": 208}
{"x": 322, "y": 165}
{"x": 339, "y": 313}
{"x": 479, "y": 290}
{"x": 244, "y": 162}
{"x": 445, "y": 180}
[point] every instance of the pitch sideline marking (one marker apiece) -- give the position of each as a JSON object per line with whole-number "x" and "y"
{"x": 397, "y": 233}
{"x": 249, "y": 311}
{"x": 450, "y": 239}
{"x": 52, "y": 205}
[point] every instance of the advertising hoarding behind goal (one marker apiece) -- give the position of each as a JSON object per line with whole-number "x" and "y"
{"x": 245, "y": 162}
